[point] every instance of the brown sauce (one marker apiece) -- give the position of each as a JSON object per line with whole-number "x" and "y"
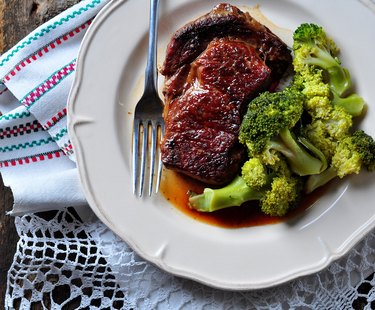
{"x": 175, "y": 188}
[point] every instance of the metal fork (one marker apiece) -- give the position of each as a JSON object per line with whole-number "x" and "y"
{"x": 148, "y": 120}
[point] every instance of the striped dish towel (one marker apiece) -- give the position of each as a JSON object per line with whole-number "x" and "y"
{"x": 36, "y": 155}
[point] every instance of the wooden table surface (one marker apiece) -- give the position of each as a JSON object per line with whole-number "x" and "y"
{"x": 17, "y": 19}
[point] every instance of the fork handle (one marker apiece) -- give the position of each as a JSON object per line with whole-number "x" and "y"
{"x": 151, "y": 67}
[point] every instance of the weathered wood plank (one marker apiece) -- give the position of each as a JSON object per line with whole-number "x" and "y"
{"x": 8, "y": 237}
{"x": 21, "y": 17}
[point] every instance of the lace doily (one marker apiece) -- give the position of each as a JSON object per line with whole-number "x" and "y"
{"x": 101, "y": 272}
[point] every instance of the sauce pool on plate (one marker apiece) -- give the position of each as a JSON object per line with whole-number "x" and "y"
{"x": 175, "y": 188}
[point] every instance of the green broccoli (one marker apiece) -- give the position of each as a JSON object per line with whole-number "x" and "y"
{"x": 255, "y": 174}
{"x": 300, "y": 137}
{"x": 325, "y": 132}
{"x": 318, "y": 134}
{"x": 331, "y": 114}
{"x": 278, "y": 191}
{"x": 309, "y": 81}
{"x": 353, "y": 103}
{"x": 259, "y": 175}
{"x": 315, "y": 57}
{"x": 317, "y": 180}
{"x": 312, "y": 46}
{"x": 266, "y": 131}
{"x": 234, "y": 194}
{"x": 351, "y": 154}
{"x": 282, "y": 196}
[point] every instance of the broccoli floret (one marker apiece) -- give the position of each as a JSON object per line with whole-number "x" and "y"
{"x": 317, "y": 93}
{"x": 269, "y": 113}
{"x": 258, "y": 174}
{"x": 266, "y": 130}
{"x": 329, "y": 123}
{"x": 313, "y": 47}
{"x": 281, "y": 197}
{"x": 316, "y": 61}
{"x": 331, "y": 104}
{"x": 254, "y": 172}
{"x": 338, "y": 123}
{"x": 280, "y": 190}
{"x": 351, "y": 154}
{"x": 365, "y": 146}
{"x": 309, "y": 80}
{"x": 319, "y": 136}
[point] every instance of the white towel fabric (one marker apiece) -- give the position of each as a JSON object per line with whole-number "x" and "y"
{"x": 36, "y": 155}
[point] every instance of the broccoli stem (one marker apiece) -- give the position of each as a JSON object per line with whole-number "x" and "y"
{"x": 318, "y": 180}
{"x": 339, "y": 80}
{"x": 353, "y": 104}
{"x": 233, "y": 194}
{"x": 321, "y": 58}
{"x": 300, "y": 161}
{"x": 314, "y": 150}
{"x": 338, "y": 77}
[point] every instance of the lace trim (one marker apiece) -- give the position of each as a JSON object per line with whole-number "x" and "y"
{"x": 99, "y": 271}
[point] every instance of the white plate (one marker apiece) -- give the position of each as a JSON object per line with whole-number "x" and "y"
{"x": 108, "y": 84}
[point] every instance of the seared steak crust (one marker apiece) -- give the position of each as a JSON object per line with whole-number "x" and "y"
{"x": 225, "y": 20}
{"x": 213, "y": 66}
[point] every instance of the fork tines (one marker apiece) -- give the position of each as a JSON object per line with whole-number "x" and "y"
{"x": 147, "y": 165}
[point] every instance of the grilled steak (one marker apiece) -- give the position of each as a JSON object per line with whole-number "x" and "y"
{"x": 213, "y": 67}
